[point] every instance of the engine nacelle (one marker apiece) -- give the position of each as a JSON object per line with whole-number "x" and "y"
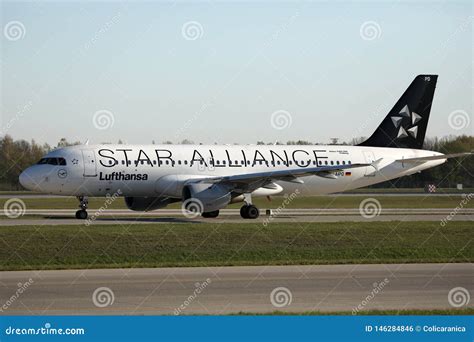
{"x": 147, "y": 203}
{"x": 211, "y": 196}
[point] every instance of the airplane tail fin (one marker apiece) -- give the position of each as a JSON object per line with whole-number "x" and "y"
{"x": 405, "y": 125}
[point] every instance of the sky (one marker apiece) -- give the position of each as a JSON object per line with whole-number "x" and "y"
{"x": 228, "y": 72}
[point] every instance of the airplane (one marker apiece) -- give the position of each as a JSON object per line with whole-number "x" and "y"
{"x": 207, "y": 178}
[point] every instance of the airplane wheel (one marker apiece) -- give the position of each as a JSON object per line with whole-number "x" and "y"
{"x": 210, "y": 214}
{"x": 81, "y": 214}
{"x": 252, "y": 212}
{"x": 249, "y": 212}
{"x": 243, "y": 211}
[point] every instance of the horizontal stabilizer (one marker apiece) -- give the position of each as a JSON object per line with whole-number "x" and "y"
{"x": 438, "y": 157}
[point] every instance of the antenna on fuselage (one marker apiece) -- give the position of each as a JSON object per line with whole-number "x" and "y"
{"x": 87, "y": 142}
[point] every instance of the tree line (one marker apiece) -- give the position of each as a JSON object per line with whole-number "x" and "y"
{"x": 17, "y": 155}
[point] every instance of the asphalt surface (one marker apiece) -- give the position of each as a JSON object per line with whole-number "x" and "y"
{"x": 126, "y": 217}
{"x": 344, "y": 194}
{"x": 224, "y": 290}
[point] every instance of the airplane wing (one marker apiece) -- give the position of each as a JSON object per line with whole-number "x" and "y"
{"x": 443, "y": 156}
{"x": 252, "y": 181}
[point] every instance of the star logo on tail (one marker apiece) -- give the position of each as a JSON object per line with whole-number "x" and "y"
{"x": 413, "y": 117}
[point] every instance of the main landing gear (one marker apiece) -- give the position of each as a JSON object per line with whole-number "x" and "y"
{"x": 210, "y": 214}
{"x": 81, "y": 214}
{"x": 248, "y": 210}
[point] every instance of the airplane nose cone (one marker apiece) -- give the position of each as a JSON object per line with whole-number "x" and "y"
{"x": 26, "y": 180}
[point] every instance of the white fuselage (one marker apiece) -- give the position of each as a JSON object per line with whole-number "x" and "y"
{"x": 162, "y": 170}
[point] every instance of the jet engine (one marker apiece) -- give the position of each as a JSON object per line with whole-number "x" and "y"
{"x": 147, "y": 203}
{"x": 210, "y": 197}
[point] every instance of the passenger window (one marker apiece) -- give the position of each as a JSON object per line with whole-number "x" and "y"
{"x": 167, "y": 162}
{"x": 326, "y": 162}
{"x": 179, "y": 162}
{"x": 320, "y": 162}
{"x": 337, "y": 162}
{"x": 185, "y": 162}
{"x": 332, "y": 163}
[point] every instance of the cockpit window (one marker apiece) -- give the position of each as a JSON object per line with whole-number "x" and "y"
{"x": 52, "y": 161}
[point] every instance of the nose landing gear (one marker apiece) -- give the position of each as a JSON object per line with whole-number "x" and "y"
{"x": 81, "y": 214}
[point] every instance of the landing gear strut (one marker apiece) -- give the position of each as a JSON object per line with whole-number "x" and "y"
{"x": 248, "y": 210}
{"x": 81, "y": 214}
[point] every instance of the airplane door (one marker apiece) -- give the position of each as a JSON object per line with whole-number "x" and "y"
{"x": 90, "y": 167}
{"x": 369, "y": 159}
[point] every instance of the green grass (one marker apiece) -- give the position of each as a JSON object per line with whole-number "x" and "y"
{"x": 409, "y": 190}
{"x": 406, "y": 312}
{"x": 214, "y": 244}
{"x": 299, "y": 202}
